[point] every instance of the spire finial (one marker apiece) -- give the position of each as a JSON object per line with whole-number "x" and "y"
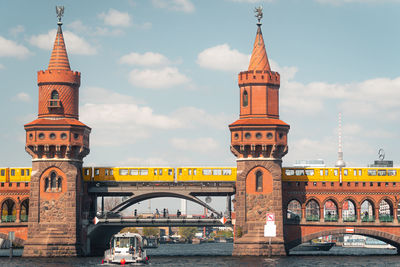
{"x": 60, "y": 13}
{"x": 259, "y": 14}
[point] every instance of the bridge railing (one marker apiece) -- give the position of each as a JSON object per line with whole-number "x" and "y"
{"x": 24, "y": 218}
{"x": 331, "y": 218}
{"x": 349, "y": 219}
{"x": 8, "y": 218}
{"x": 385, "y": 218}
{"x": 368, "y": 218}
{"x": 312, "y": 218}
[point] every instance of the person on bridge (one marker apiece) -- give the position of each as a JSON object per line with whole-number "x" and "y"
{"x": 164, "y": 213}
{"x": 157, "y": 214}
{"x": 135, "y": 213}
{"x": 178, "y": 213}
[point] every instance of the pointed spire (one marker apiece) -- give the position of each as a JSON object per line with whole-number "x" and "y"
{"x": 259, "y": 58}
{"x": 59, "y": 57}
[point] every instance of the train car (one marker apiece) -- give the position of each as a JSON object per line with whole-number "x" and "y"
{"x": 102, "y": 174}
{"x": 206, "y": 174}
{"x": 87, "y": 174}
{"x": 371, "y": 175}
{"x": 143, "y": 174}
{"x": 20, "y": 174}
{"x": 310, "y": 174}
{"x": 4, "y": 174}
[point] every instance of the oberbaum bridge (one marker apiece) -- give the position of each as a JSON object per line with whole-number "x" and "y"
{"x": 60, "y": 222}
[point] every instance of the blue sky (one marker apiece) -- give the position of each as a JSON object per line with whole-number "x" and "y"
{"x": 159, "y": 78}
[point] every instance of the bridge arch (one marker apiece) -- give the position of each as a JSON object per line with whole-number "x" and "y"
{"x": 149, "y": 195}
{"x": 313, "y": 209}
{"x": 389, "y": 238}
{"x": 8, "y": 210}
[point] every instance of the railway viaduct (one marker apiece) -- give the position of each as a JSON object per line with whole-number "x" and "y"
{"x": 52, "y": 214}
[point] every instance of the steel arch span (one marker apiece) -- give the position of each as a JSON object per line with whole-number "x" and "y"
{"x": 296, "y": 234}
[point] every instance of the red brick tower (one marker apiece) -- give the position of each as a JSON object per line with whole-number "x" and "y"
{"x": 259, "y": 141}
{"x": 57, "y": 142}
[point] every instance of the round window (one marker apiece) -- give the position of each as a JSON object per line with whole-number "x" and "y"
{"x": 247, "y": 135}
{"x": 30, "y": 136}
{"x": 269, "y": 135}
{"x": 76, "y": 136}
{"x": 41, "y": 136}
{"x": 63, "y": 136}
{"x": 236, "y": 136}
{"x": 258, "y": 135}
{"x": 52, "y": 136}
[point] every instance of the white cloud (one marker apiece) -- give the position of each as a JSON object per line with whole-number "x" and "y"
{"x": 22, "y": 97}
{"x": 204, "y": 145}
{"x": 192, "y": 117}
{"x": 79, "y": 27}
{"x": 17, "y": 30}
{"x": 222, "y": 57}
{"x": 185, "y": 6}
{"x": 157, "y": 78}
{"x": 9, "y": 48}
{"x": 74, "y": 43}
{"x": 147, "y": 59}
{"x": 116, "y": 18}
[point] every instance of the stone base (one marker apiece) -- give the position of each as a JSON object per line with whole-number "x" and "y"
{"x": 56, "y": 250}
{"x": 259, "y": 249}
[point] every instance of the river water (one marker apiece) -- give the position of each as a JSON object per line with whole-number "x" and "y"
{"x": 218, "y": 254}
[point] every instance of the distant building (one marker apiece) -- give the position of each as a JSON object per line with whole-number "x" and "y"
{"x": 382, "y": 163}
{"x": 310, "y": 163}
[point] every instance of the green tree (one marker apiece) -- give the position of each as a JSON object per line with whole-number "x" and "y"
{"x": 187, "y": 232}
{"x": 226, "y": 234}
{"x": 129, "y": 229}
{"x": 151, "y": 231}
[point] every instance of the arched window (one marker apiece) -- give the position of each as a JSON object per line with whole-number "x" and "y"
{"x": 46, "y": 184}
{"x": 245, "y": 99}
{"x": 294, "y": 211}
{"x": 54, "y": 95}
{"x": 349, "y": 211}
{"x": 385, "y": 211}
{"x": 312, "y": 210}
{"x": 330, "y": 211}
{"x": 59, "y": 184}
{"x": 259, "y": 181}
{"x": 53, "y": 181}
{"x": 8, "y": 211}
{"x": 24, "y": 212}
{"x": 367, "y": 211}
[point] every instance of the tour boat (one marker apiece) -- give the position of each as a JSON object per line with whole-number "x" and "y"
{"x": 126, "y": 248}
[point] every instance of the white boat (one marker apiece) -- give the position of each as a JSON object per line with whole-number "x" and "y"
{"x": 126, "y": 248}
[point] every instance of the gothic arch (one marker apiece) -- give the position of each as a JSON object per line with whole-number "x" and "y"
{"x": 352, "y": 199}
{"x": 8, "y": 210}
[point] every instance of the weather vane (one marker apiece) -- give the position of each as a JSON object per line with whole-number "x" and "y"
{"x": 259, "y": 13}
{"x": 60, "y": 13}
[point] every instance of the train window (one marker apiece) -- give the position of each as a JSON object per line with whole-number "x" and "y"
{"x": 12, "y": 172}
{"x": 159, "y": 171}
{"x": 371, "y": 172}
{"x": 217, "y": 172}
{"x": 206, "y": 172}
{"x": 96, "y": 172}
{"x": 3, "y": 172}
{"x": 86, "y": 172}
{"x": 381, "y": 172}
{"x": 144, "y": 172}
{"x": 299, "y": 172}
{"x": 355, "y": 172}
{"x": 386, "y": 184}
{"x": 155, "y": 171}
{"x": 335, "y": 172}
{"x": 124, "y": 172}
{"x": 371, "y": 184}
{"x": 289, "y": 172}
{"x": 391, "y": 173}
{"x": 179, "y": 171}
{"x": 169, "y": 171}
{"x": 314, "y": 183}
{"x": 111, "y": 172}
{"x": 310, "y": 172}
{"x": 194, "y": 171}
{"x": 226, "y": 172}
{"x": 132, "y": 172}
{"x": 345, "y": 172}
{"x": 364, "y": 183}
{"x": 379, "y": 183}
{"x": 106, "y": 171}
{"x": 190, "y": 171}
{"x": 27, "y": 172}
{"x": 326, "y": 172}
{"x": 323, "y": 183}
{"x": 321, "y": 172}
{"x": 22, "y": 172}
{"x": 332, "y": 184}
{"x": 359, "y": 173}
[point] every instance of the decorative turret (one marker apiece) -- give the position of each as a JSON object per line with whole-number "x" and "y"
{"x": 57, "y": 142}
{"x": 259, "y": 132}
